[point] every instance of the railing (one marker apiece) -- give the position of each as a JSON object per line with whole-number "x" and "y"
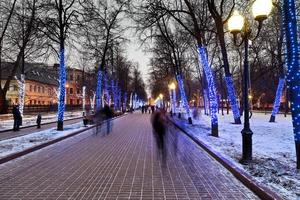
{"x": 47, "y": 108}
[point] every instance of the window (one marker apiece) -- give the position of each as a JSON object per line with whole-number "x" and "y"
{"x": 78, "y": 77}
{"x": 43, "y": 102}
{"x": 39, "y": 102}
{"x": 71, "y": 90}
{"x": 43, "y": 90}
{"x": 34, "y": 88}
{"x": 49, "y": 91}
{"x": 15, "y": 88}
{"x": 30, "y": 89}
{"x": 16, "y": 100}
{"x": 71, "y": 77}
{"x": 78, "y": 91}
{"x": 78, "y": 101}
{"x": 39, "y": 89}
{"x": 71, "y": 101}
{"x": 30, "y": 102}
{"x": 34, "y": 102}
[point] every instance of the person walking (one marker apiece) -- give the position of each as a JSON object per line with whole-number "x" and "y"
{"x": 17, "y": 117}
{"x": 158, "y": 121}
{"x": 39, "y": 120}
{"x": 108, "y": 112}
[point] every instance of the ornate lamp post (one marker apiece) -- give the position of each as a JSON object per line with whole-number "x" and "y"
{"x": 237, "y": 24}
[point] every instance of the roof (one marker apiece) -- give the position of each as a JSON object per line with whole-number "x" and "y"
{"x": 38, "y": 72}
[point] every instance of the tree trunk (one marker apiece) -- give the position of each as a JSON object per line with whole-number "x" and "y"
{"x": 228, "y": 77}
{"x": 3, "y": 102}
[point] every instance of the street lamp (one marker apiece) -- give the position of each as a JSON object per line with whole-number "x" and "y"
{"x": 238, "y": 24}
{"x": 161, "y": 96}
{"x": 172, "y": 88}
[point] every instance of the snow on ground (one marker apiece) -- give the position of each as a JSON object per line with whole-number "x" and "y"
{"x": 274, "y": 157}
{"x": 19, "y": 144}
{"x": 31, "y": 119}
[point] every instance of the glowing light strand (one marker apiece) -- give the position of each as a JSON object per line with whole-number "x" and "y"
{"x": 293, "y": 72}
{"x": 211, "y": 85}
{"x": 21, "y": 86}
{"x": 174, "y": 100}
{"x": 62, "y": 86}
{"x": 232, "y": 98}
{"x": 279, "y": 92}
{"x": 99, "y": 90}
{"x": 185, "y": 103}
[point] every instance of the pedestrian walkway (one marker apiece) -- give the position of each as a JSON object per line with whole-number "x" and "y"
{"x": 122, "y": 165}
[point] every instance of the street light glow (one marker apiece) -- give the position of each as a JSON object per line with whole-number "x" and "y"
{"x": 261, "y": 9}
{"x": 172, "y": 86}
{"x": 236, "y": 22}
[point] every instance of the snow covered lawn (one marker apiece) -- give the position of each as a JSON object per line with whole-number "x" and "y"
{"x": 31, "y": 119}
{"x": 274, "y": 157}
{"x": 19, "y": 144}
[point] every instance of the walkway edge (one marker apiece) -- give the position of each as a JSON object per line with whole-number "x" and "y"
{"x": 43, "y": 145}
{"x": 257, "y": 188}
{"x": 34, "y": 125}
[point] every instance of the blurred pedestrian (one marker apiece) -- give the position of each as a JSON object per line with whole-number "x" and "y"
{"x": 98, "y": 119}
{"x": 158, "y": 120}
{"x": 143, "y": 109}
{"x": 152, "y": 109}
{"x": 108, "y": 112}
{"x": 39, "y": 120}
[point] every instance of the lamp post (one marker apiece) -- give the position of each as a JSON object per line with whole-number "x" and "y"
{"x": 161, "y": 97}
{"x": 172, "y": 88}
{"x": 238, "y": 25}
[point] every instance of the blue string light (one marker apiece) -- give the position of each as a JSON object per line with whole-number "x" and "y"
{"x": 183, "y": 95}
{"x": 106, "y": 86}
{"x": 119, "y": 99}
{"x": 114, "y": 92}
{"x": 99, "y": 90}
{"x": 62, "y": 85}
{"x": 211, "y": 85}
{"x": 279, "y": 92}
{"x": 125, "y": 101}
{"x": 232, "y": 98}
{"x": 292, "y": 60}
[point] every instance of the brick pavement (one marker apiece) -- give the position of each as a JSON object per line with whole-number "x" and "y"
{"x": 122, "y": 165}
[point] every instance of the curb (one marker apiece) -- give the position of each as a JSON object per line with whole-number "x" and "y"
{"x": 257, "y": 188}
{"x": 47, "y": 123}
{"x": 40, "y": 146}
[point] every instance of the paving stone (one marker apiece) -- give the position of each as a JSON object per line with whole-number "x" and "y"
{"x": 125, "y": 164}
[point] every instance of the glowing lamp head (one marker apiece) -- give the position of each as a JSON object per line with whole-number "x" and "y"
{"x": 236, "y": 23}
{"x": 250, "y": 96}
{"x": 67, "y": 85}
{"x": 172, "y": 86}
{"x": 161, "y": 96}
{"x": 261, "y": 9}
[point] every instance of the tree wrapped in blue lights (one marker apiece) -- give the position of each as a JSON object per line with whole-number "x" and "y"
{"x": 293, "y": 72}
{"x": 276, "y": 104}
{"x": 183, "y": 97}
{"x": 106, "y": 89}
{"x": 119, "y": 99}
{"x": 62, "y": 90}
{"x": 99, "y": 90}
{"x": 125, "y": 101}
{"x": 211, "y": 89}
{"x": 114, "y": 89}
{"x": 232, "y": 99}
{"x": 206, "y": 102}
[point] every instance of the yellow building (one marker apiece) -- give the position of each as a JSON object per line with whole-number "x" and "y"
{"x": 41, "y": 86}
